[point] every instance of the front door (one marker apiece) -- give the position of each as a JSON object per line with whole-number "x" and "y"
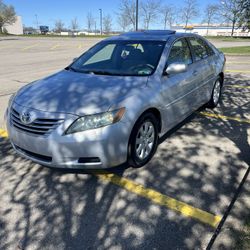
{"x": 179, "y": 91}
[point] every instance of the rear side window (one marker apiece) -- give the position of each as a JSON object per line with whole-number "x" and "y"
{"x": 200, "y": 49}
{"x": 209, "y": 49}
{"x": 180, "y": 53}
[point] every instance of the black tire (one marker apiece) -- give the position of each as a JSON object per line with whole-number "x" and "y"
{"x": 133, "y": 158}
{"x": 214, "y": 102}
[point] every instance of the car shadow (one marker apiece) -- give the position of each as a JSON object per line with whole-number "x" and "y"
{"x": 200, "y": 162}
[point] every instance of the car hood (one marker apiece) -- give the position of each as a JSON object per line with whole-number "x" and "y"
{"x": 78, "y": 93}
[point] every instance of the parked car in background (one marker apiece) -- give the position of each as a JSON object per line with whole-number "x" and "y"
{"x": 114, "y": 102}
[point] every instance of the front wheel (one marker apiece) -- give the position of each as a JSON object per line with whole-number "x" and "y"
{"x": 143, "y": 140}
{"x": 216, "y": 94}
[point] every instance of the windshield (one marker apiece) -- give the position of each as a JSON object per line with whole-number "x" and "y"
{"x": 127, "y": 58}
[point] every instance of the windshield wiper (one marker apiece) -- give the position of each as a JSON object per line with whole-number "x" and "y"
{"x": 103, "y": 72}
{"x": 99, "y": 72}
{"x": 71, "y": 68}
{"x": 88, "y": 71}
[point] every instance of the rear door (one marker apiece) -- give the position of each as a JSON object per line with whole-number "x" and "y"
{"x": 204, "y": 64}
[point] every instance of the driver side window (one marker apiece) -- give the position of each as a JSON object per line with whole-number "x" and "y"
{"x": 180, "y": 53}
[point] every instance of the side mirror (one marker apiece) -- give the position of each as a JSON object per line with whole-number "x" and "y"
{"x": 175, "y": 68}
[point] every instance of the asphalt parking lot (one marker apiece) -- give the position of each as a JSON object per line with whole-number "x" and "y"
{"x": 176, "y": 201}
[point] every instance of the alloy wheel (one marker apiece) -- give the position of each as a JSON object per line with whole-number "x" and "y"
{"x": 145, "y": 140}
{"x": 216, "y": 92}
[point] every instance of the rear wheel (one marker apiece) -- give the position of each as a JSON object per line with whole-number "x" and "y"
{"x": 216, "y": 94}
{"x": 143, "y": 140}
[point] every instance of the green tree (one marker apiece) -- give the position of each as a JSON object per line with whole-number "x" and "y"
{"x": 7, "y": 15}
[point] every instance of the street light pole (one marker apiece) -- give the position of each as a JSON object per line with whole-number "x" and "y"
{"x": 136, "y": 15}
{"x": 100, "y": 20}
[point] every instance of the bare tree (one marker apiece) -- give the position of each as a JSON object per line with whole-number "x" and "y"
{"x": 189, "y": 11}
{"x": 244, "y": 20}
{"x": 127, "y": 11}
{"x": 123, "y": 21}
{"x": 211, "y": 12}
{"x": 107, "y": 24}
{"x": 74, "y": 24}
{"x": 7, "y": 15}
{"x": 90, "y": 21}
{"x": 169, "y": 15}
{"x": 150, "y": 11}
{"x": 59, "y": 26}
{"x": 231, "y": 11}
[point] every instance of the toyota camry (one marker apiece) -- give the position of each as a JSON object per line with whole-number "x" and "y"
{"x": 113, "y": 103}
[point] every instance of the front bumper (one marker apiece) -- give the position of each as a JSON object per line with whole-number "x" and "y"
{"x": 92, "y": 149}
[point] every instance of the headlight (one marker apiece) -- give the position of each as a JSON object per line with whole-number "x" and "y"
{"x": 11, "y": 100}
{"x": 95, "y": 121}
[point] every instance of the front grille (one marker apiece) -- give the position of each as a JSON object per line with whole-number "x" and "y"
{"x": 39, "y": 126}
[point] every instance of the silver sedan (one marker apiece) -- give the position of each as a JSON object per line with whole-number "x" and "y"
{"x": 114, "y": 102}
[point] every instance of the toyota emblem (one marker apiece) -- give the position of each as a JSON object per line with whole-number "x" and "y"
{"x": 25, "y": 118}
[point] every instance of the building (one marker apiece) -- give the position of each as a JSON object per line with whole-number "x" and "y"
{"x": 86, "y": 33}
{"x": 211, "y": 30}
{"x": 15, "y": 28}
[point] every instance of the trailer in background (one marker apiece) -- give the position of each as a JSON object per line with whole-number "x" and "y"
{"x": 44, "y": 29}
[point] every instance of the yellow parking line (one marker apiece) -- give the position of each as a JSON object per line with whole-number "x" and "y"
{"x": 55, "y": 46}
{"x": 237, "y": 71}
{"x": 3, "y": 133}
{"x": 79, "y": 46}
{"x": 154, "y": 196}
{"x": 161, "y": 199}
{"x": 6, "y": 47}
{"x": 238, "y": 86}
{"x": 223, "y": 117}
{"x": 29, "y": 47}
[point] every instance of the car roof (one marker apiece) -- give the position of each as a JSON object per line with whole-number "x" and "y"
{"x": 150, "y": 35}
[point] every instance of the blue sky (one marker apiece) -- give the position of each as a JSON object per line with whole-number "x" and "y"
{"x": 48, "y": 11}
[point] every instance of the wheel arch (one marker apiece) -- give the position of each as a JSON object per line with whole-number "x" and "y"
{"x": 153, "y": 111}
{"x": 156, "y": 113}
{"x": 221, "y": 75}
